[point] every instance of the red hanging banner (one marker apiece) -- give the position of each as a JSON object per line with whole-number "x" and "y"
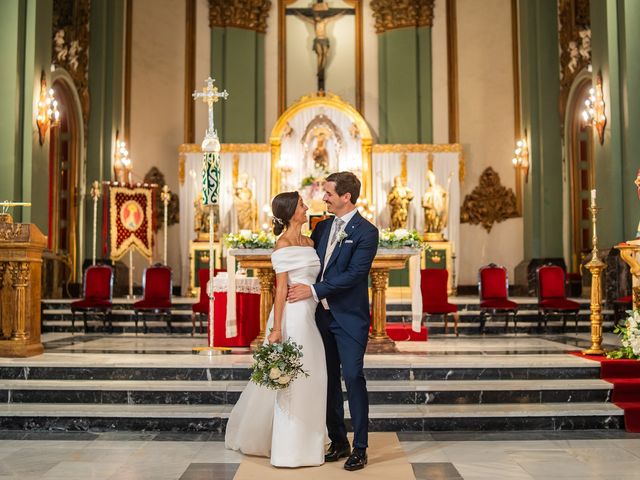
{"x": 131, "y": 214}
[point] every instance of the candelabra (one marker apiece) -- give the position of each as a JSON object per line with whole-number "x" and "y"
{"x": 595, "y": 266}
{"x": 95, "y": 195}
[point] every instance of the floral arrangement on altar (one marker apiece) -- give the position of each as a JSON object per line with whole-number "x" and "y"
{"x": 277, "y": 365}
{"x": 401, "y": 238}
{"x": 249, "y": 240}
{"x": 629, "y": 336}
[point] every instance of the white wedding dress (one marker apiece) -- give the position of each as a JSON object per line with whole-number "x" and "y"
{"x": 288, "y": 425}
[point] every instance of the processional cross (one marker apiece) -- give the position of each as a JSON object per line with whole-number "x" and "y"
{"x": 210, "y": 95}
{"x": 210, "y": 195}
{"x": 320, "y": 15}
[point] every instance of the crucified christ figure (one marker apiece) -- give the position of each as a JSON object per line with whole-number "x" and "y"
{"x": 320, "y": 16}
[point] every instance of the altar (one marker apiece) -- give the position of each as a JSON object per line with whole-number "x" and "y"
{"x": 317, "y": 135}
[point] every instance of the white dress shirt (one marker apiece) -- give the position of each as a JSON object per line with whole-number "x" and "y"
{"x": 346, "y": 218}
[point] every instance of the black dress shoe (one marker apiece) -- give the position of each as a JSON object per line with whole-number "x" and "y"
{"x": 357, "y": 460}
{"x": 337, "y": 451}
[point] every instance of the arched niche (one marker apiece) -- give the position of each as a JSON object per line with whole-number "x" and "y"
{"x": 310, "y": 125}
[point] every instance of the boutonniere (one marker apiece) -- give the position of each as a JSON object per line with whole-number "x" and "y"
{"x": 341, "y": 236}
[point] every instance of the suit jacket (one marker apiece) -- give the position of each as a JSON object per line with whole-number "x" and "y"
{"x": 345, "y": 283}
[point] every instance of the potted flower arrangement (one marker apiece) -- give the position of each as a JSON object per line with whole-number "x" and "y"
{"x": 250, "y": 240}
{"x": 401, "y": 238}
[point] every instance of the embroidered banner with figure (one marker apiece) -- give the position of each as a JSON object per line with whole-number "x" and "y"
{"x": 131, "y": 217}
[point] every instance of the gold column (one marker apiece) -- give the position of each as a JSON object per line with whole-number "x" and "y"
{"x": 19, "y": 280}
{"x": 267, "y": 277}
{"x": 379, "y": 342}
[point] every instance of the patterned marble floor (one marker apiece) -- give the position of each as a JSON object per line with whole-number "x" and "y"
{"x": 583, "y": 454}
{"x": 442, "y": 456}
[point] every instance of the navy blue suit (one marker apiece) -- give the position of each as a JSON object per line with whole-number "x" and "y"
{"x": 345, "y": 326}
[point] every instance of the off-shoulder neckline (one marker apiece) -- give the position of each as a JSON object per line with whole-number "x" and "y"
{"x": 293, "y": 246}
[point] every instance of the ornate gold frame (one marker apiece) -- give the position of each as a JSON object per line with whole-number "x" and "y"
{"x": 200, "y": 246}
{"x": 330, "y": 101}
{"x": 282, "y": 54}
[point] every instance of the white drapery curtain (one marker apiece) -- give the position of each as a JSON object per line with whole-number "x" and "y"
{"x": 256, "y": 164}
{"x": 388, "y": 164}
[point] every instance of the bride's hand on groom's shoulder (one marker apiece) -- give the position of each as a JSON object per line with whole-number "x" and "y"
{"x": 298, "y": 292}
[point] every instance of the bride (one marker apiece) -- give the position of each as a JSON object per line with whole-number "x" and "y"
{"x": 288, "y": 424}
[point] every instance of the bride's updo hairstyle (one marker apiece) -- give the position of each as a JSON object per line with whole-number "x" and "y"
{"x": 283, "y": 207}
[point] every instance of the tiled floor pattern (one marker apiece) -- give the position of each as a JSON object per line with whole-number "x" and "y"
{"x": 435, "y": 456}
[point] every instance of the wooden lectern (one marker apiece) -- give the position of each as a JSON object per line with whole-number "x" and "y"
{"x": 21, "y": 246}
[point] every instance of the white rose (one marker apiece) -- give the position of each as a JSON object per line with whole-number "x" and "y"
{"x": 245, "y": 234}
{"x": 401, "y": 233}
{"x": 274, "y": 373}
{"x": 284, "y": 379}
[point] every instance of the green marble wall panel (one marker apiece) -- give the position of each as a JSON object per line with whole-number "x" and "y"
{"x": 608, "y": 156}
{"x": 405, "y": 86}
{"x": 540, "y": 93}
{"x": 237, "y": 59}
{"x": 629, "y": 42}
{"x": 25, "y": 36}
{"x": 106, "y": 89}
{"x": 12, "y": 25}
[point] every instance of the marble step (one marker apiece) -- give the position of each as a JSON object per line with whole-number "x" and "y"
{"x": 473, "y": 369}
{"x": 100, "y": 417}
{"x": 380, "y": 392}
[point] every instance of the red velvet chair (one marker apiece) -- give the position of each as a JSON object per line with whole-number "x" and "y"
{"x": 156, "y": 297}
{"x": 435, "y": 301}
{"x": 620, "y": 306}
{"x": 97, "y": 291}
{"x": 552, "y": 296}
{"x": 493, "y": 285}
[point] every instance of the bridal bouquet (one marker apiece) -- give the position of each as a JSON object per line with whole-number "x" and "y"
{"x": 277, "y": 365}
{"x": 629, "y": 336}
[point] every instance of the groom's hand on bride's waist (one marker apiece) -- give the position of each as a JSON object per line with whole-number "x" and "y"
{"x": 298, "y": 292}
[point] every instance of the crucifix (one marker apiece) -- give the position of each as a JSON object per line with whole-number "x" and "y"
{"x": 319, "y": 16}
{"x": 210, "y": 95}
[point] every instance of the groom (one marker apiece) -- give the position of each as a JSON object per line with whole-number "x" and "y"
{"x": 346, "y": 245}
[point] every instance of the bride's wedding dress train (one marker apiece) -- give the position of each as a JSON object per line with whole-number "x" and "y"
{"x": 288, "y": 425}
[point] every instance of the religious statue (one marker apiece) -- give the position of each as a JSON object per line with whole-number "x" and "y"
{"x": 245, "y": 204}
{"x": 435, "y": 203}
{"x": 201, "y": 219}
{"x": 399, "y": 198}
{"x": 320, "y": 16}
{"x": 320, "y": 154}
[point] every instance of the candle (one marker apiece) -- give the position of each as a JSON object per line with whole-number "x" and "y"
{"x": 593, "y": 197}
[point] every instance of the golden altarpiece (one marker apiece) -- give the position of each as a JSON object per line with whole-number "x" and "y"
{"x": 317, "y": 135}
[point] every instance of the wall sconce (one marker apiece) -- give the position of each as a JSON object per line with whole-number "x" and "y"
{"x": 48, "y": 113}
{"x": 520, "y": 158}
{"x": 594, "y": 112}
{"x": 520, "y": 162}
{"x": 122, "y": 166}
